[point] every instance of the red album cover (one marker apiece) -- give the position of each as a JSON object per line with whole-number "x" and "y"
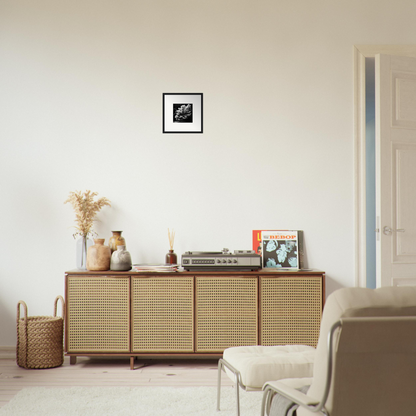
{"x": 257, "y": 241}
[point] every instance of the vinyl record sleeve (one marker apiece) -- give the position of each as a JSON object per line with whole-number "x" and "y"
{"x": 279, "y": 248}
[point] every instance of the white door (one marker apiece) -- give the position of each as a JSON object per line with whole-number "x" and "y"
{"x": 396, "y": 170}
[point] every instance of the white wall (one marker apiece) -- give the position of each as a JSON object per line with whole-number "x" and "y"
{"x": 81, "y": 86}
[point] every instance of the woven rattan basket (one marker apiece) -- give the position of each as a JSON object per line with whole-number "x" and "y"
{"x": 40, "y": 338}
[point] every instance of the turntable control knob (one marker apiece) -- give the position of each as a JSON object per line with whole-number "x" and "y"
{"x": 225, "y": 250}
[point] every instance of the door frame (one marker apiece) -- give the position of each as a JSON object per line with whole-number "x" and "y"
{"x": 360, "y": 53}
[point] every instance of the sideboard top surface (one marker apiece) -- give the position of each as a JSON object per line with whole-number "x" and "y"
{"x": 262, "y": 272}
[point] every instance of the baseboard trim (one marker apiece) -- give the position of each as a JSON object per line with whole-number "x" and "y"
{"x": 7, "y": 352}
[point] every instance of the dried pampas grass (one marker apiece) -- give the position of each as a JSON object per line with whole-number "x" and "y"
{"x": 85, "y": 210}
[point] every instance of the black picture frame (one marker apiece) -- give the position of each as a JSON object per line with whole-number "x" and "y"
{"x": 182, "y": 112}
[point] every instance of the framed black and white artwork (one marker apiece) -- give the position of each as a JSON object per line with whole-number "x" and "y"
{"x": 182, "y": 113}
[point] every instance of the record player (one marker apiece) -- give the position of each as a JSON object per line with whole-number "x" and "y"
{"x": 240, "y": 260}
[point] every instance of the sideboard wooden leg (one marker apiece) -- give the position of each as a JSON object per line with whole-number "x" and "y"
{"x": 131, "y": 363}
{"x": 72, "y": 359}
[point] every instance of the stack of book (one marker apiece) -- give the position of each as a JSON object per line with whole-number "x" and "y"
{"x": 155, "y": 267}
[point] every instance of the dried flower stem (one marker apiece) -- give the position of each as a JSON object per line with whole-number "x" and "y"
{"x": 171, "y": 236}
{"x": 85, "y": 210}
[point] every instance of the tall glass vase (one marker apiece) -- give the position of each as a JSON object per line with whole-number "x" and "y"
{"x": 81, "y": 252}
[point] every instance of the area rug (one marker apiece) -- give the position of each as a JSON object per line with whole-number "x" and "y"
{"x": 131, "y": 401}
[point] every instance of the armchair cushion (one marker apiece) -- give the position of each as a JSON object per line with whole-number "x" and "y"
{"x": 258, "y": 364}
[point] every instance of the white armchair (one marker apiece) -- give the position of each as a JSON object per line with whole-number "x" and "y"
{"x": 365, "y": 362}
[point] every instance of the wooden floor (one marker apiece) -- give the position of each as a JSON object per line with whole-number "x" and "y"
{"x": 109, "y": 372}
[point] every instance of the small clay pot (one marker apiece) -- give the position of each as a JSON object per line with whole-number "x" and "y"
{"x": 116, "y": 240}
{"x": 98, "y": 256}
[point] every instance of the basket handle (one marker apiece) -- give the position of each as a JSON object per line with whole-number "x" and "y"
{"x": 56, "y": 306}
{"x": 21, "y": 302}
{"x": 24, "y": 340}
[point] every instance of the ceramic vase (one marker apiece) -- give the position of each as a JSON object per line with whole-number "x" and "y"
{"x": 171, "y": 258}
{"x": 82, "y": 246}
{"x": 121, "y": 259}
{"x": 98, "y": 256}
{"x": 116, "y": 240}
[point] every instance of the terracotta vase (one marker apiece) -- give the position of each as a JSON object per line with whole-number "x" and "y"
{"x": 121, "y": 259}
{"x": 116, "y": 240}
{"x": 98, "y": 256}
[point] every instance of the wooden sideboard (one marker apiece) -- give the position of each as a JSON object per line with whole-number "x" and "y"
{"x": 189, "y": 313}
